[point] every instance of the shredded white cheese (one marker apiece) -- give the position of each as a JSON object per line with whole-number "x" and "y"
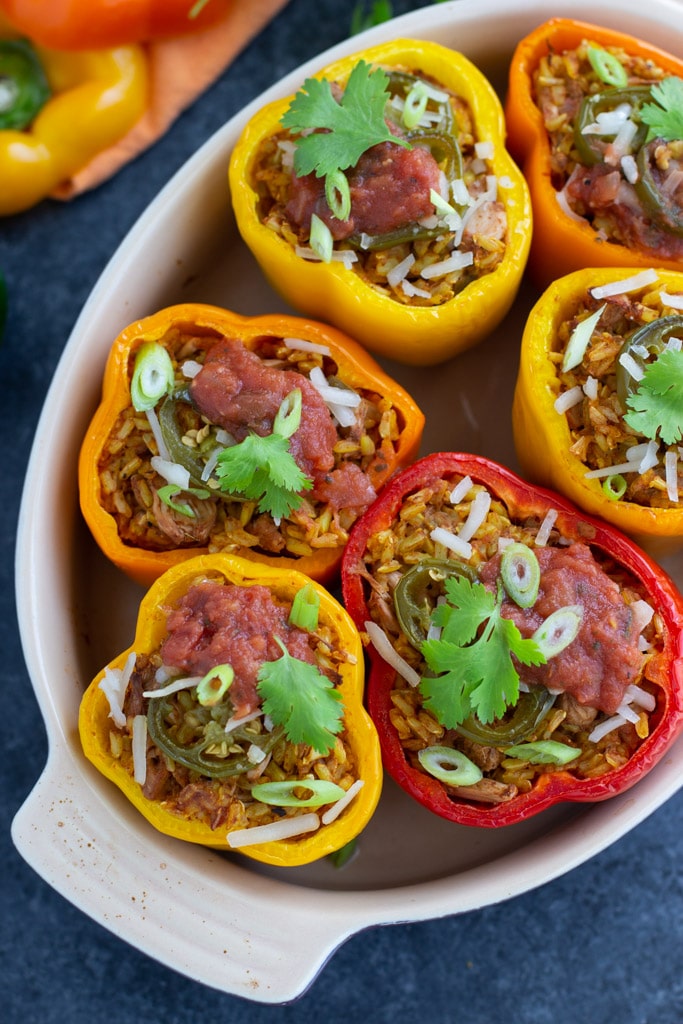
{"x": 400, "y": 271}
{"x": 333, "y": 812}
{"x": 631, "y": 366}
{"x": 451, "y": 541}
{"x": 456, "y": 261}
{"x": 568, "y": 399}
{"x": 674, "y": 301}
{"x": 479, "y": 509}
{"x": 113, "y": 685}
{"x": 384, "y": 647}
{"x": 172, "y": 472}
{"x": 671, "y": 475}
{"x": 139, "y": 749}
{"x": 461, "y": 490}
{"x": 545, "y": 528}
{"x": 306, "y": 346}
{"x": 184, "y": 683}
{"x": 628, "y": 284}
{"x": 286, "y": 828}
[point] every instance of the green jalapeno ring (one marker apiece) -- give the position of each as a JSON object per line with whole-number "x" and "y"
{"x": 193, "y": 756}
{"x": 664, "y": 211}
{"x": 24, "y": 88}
{"x": 653, "y": 337}
{"x": 413, "y": 598}
{"x": 180, "y": 453}
{"x": 597, "y": 103}
{"x": 531, "y": 708}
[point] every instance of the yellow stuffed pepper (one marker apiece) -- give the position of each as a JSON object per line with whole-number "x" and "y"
{"x": 597, "y": 411}
{"x": 235, "y": 720}
{"x": 381, "y": 199}
{"x": 58, "y": 110}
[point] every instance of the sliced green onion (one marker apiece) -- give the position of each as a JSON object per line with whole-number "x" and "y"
{"x": 521, "y": 574}
{"x": 440, "y": 204}
{"x": 288, "y": 416}
{"x": 152, "y": 376}
{"x": 580, "y": 337}
{"x": 559, "y": 629}
{"x": 214, "y": 685}
{"x": 415, "y": 105}
{"x": 544, "y": 752}
{"x": 282, "y": 793}
{"x": 183, "y": 508}
{"x": 449, "y": 765}
{"x": 607, "y": 67}
{"x": 614, "y": 486}
{"x": 338, "y": 194}
{"x": 305, "y": 608}
{"x": 321, "y": 239}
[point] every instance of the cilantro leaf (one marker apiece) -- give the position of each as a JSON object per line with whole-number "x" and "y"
{"x": 665, "y": 115}
{"x": 476, "y": 676}
{"x": 300, "y": 698}
{"x": 340, "y": 132}
{"x": 263, "y": 469}
{"x": 656, "y": 406}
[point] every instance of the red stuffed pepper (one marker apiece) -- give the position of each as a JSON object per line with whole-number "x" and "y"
{"x": 522, "y": 653}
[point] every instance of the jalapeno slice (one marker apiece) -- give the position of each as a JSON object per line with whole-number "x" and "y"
{"x": 651, "y": 337}
{"x": 651, "y": 190}
{"x": 529, "y": 711}
{"x": 416, "y": 594}
{"x": 590, "y": 147}
{"x": 172, "y": 433}
{"x": 194, "y": 755}
{"x": 24, "y": 88}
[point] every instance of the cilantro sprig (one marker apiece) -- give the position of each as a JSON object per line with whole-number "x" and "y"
{"x": 263, "y": 469}
{"x": 665, "y": 115}
{"x": 473, "y": 656}
{"x": 297, "y": 696}
{"x": 338, "y": 133}
{"x": 656, "y": 406}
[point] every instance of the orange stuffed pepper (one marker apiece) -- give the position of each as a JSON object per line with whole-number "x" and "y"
{"x": 264, "y": 436}
{"x": 593, "y": 118}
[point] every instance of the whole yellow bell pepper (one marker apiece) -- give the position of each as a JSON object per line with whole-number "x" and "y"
{"x": 96, "y": 97}
{"x": 106, "y": 745}
{"x": 543, "y": 440}
{"x": 406, "y": 331}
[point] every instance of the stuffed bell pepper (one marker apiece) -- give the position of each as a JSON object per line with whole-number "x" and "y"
{"x": 381, "y": 199}
{"x": 235, "y": 720}
{"x": 522, "y": 654}
{"x": 58, "y": 110}
{"x": 598, "y": 406}
{"x": 93, "y": 24}
{"x": 593, "y": 118}
{"x": 263, "y": 436}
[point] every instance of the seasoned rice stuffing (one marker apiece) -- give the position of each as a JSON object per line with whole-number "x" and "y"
{"x": 223, "y": 522}
{"x": 265, "y": 752}
{"x": 397, "y": 266}
{"x": 406, "y": 542}
{"x": 607, "y": 192}
{"x": 600, "y": 437}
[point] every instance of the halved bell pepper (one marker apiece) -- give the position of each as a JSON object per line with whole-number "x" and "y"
{"x": 548, "y": 452}
{"x": 108, "y": 745}
{"x": 315, "y": 548}
{"x": 92, "y": 24}
{"x": 493, "y": 779}
{"x": 93, "y": 99}
{"x": 416, "y": 331}
{"x": 563, "y": 242}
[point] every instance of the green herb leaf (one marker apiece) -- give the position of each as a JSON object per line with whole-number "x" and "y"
{"x": 340, "y": 132}
{"x": 665, "y": 115}
{"x": 297, "y": 696}
{"x": 656, "y": 407}
{"x": 473, "y": 656}
{"x": 263, "y": 468}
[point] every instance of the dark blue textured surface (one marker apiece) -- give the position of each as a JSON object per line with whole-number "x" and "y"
{"x": 603, "y": 944}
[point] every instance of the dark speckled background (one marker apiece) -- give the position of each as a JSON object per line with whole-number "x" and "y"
{"x": 601, "y": 945}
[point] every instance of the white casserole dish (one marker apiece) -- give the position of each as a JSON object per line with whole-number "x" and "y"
{"x": 261, "y": 933}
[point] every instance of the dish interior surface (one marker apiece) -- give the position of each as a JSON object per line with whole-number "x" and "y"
{"x": 77, "y": 612}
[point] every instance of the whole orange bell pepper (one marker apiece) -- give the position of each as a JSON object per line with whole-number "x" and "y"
{"x": 561, "y": 242}
{"x": 417, "y": 330}
{"x": 87, "y": 102}
{"x": 566, "y": 450}
{"x": 92, "y": 24}
{"x": 353, "y": 757}
{"x": 119, "y": 493}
